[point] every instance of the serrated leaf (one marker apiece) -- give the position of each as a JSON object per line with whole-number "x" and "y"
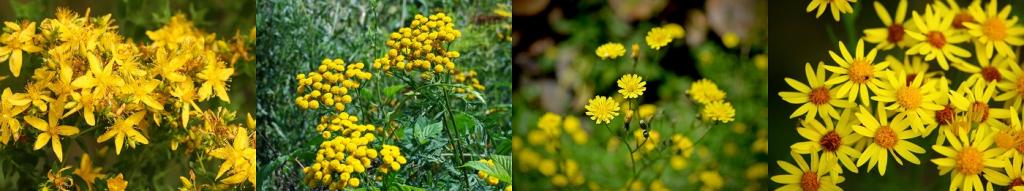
{"x": 424, "y": 133}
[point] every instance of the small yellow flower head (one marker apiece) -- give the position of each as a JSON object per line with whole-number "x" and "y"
{"x": 634, "y": 51}
{"x": 720, "y": 111}
{"x": 631, "y": 86}
{"x": 646, "y": 111}
{"x": 602, "y": 109}
{"x": 730, "y": 40}
{"x": 610, "y": 50}
{"x": 117, "y": 183}
{"x": 18, "y": 41}
{"x": 675, "y": 30}
{"x": 658, "y": 37}
{"x": 704, "y": 91}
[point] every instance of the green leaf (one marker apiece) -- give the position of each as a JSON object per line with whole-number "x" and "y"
{"x": 501, "y": 169}
{"x": 424, "y": 132}
{"x": 391, "y": 91}
{"x": 465, "y": 121}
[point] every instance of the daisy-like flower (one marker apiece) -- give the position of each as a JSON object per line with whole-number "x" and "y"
{"x": 833, "y": 141}
{"x": 973, "y": 98}
{"x": 1012, "y": 85}
{"x": 857, "y": 74}
{"x": 994, "y": 29}
{"x": 631, "y": 86}
{"x": 913, "y": 100}
{"x": 602, "y": 109}
{"x": 989, "y": 70}
{"x": 970, "y": 160}
{"x": 1015, "y": 173}
{"x": 704, "y": 91}
{"x": 888, "y": 137}
{"x": 819, "y": 97}
{"x": 837, "y": 6}
{"x": 893, "y": 34}
{"x": 675, "y": 30}
{"x": 720, "y": 111}
{"x": 960, "y": 15}
{"x": 17, "y": 43}
{"x": 610, "y": 50}
{"x": 937, "y": 39}
{"x": 658, "y": 37}
{"x": 807, "y": 177}
{"x": 1011, "y": 138}
{"x": 124, "y": 130}
{"x": 52, "y": 129}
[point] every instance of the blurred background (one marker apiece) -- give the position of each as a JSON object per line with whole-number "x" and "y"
{"x": 556, "y": 70}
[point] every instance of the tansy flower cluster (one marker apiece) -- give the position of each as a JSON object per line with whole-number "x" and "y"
{"x": 85, "y": 76}
{"x": 858, "y": 110}
{"x": 330, "y": 84}
{"x": 422, "y": 48}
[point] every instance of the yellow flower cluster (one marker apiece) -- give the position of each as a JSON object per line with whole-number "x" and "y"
{"x": 392, "y": 158}
{"x": 645, "y": 141}
{"x": 423, "y": 46}
{"x": 682, "y": 148}
{"x": 562, "y": 174}
{"x": 483, "y": 175}
{"x": 330, "y": 84}
{"x": 715, "y": 108}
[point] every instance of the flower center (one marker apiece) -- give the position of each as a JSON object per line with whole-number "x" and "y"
{"x": 895, "y": 33}
{"x": 1007, "y": 139}
{"x": 1020, "y": 86}
{"x": 860, "y": 71}
{"x": 909, "y": 98}
{"x": 968, "y": 161}
{"x": 937, "y": 39}
{"x": 994, "y": 29}
{"x": 819, "y": 96}
{"x": 885, "y": 137}
{"x": 979, "y": 112}
{"x": 944, "y": 116}
{"x": 830, "y": 142}
{"x": 960, "y": 19}
{"x": 1016, "y": 182}
{"x": 990, "y": 73}
{"x": 809, "y": 182}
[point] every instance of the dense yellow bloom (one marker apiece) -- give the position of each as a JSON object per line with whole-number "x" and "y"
{"x": 720, "y": 111}
{"x": 970, "y": 158}
{"x": 239, "y": 157}
{"x": 888, "y": 137}
{"x": 857, "y": 73}
{"x": 994, "y": 29}
{"x": 682, "y": 149}
{"x": 100, "y": 77}
{"x": 215, "y": 78}
{"x": 118, "y": 183}
{"x": 1012, "y": 85}
{"x": 914, "y": 100}
{"x": 804, "y": 176}
{"x": 631, "y": 86}
{"x": 817, "y": 98}
{"x": 837, "y": 7}
{"x": 974, "y": 99}
{"x": 17, "y": 40}
{"x": 834, "y": 142}
{"x": 602, "y": 109}
{"x": 937, "y": 39}
{"x": 704, "y": 91}
{"x": 124, "y": 129}
{"x": 52, "y": 129}
{"x": 658, "y": 37}
{"x": 88, "y": 172}
{"x": 11, "y": 105}
{"x": 610, "y": 50}
{"x": 893, "y": 34}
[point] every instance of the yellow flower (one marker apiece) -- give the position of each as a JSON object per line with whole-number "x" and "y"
{"x": 968, "y": 158}
{"x": 915, "y": 100}
{"x": 10, "y": 106}
{"x": 18, "y": 41}
{"x": 807, "y": 177}
{"x": 142, "y": 91}
{"x": 937, "y": 41}
{"x": 86, "y": 102}
{"x": 819, "y": 97}
{"x": 125, "y": 129}
{"x": 117, "y": 184}
{"x": 238, "y": 157}
{"x": 712, "y": 180}
{"x": 610, "y": 50}
{"x": 675, "y": 30}
{"x": 837, "y": 6}
{"x": 100, "y": 76}
{"x": 704, "y": 91}
{"x": 888, "y": 137}
{"x": 682, "y": 149}
{"x": 631, "y": 86}
{"x": 994, "y": 30}
{"x": 51, "y": 129}
{"x": 718, "y": 111}
{"x": 1015, "y": 173}
{"x": 215, "y": 78}
{"x": 988, "y": 69}
{"x": 658, "y": 37}
{"x": 646, "y": 111}
{"x": 87, "y": 172}
{"x": 833, "y": 141}
{"x": 602, "y": 109}
{"x": 974, "y": 98}
{"x": 185, "y": 92}
{"x": 857, "y": 74}
{"x": 893, "y": 34}
{"x": 730, "y": 40}
{"x": 1012, "y": 86}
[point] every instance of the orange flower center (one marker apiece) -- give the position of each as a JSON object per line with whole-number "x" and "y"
{"x": 995, "y": 29}
{"x": 809, "y": 181}
{"x": 860, "y": 71}
{"x": 944, "y": 116}
{"x": 895, "y": 33}
{"x": 937, "y": 39}
{"x": 990, "y": 73}
{"x": 1020, "y": 86}
{"x": 958, "y": 21}
{"x": 969, "y": 161}
{"x": 1016, "y": 182}
{"x": 830, "y": 142}
{"x": 885, "y": 137}
{"x": 819, "y": 96}
{"x": 1007, "y": 139}
{"x": 909, "y": 98}
{"x": 979, "y": 112}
